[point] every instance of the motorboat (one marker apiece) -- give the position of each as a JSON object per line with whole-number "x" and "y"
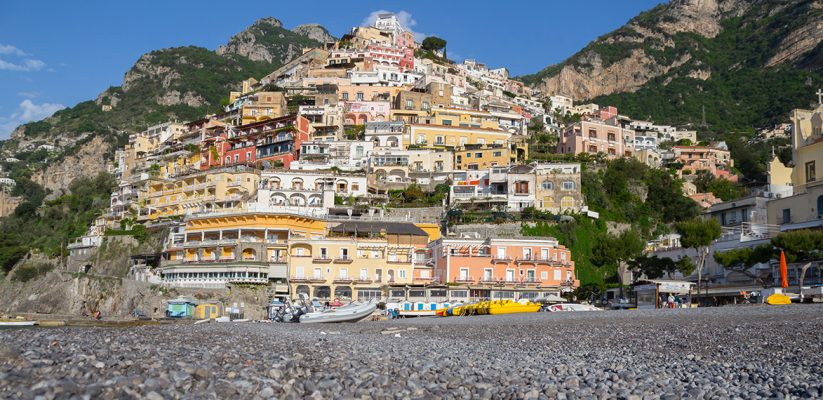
{"x": 571, "y": 307}
{"x": 349, "y": 313}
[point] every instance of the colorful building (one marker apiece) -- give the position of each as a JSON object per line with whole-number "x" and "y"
{"x": 218, "y": 190}
{"x": 503, "y": 268}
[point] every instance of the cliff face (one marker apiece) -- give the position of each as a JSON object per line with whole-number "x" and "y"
{"x": 88, "y": 161}
{"x": 267, "y": 40}
{"x": 663, "y": 41}
{"x": 314, "y": 32}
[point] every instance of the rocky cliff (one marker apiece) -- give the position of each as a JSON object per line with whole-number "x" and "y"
{"x": 314, "y": 32}
{"x": 669, "y": 39}
{"x": 747, "y": 62}
{"x": 267, "y": 40}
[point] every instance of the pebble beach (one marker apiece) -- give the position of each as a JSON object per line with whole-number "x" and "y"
{"x": 730, "y": 352}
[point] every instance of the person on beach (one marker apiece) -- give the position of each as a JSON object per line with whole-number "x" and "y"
{"x": 678, "y": 302}
{"x": 671, "y": 301}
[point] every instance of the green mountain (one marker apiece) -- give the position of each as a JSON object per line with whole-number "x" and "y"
{"x": 747, "y": 63}
{"x": 181, "y": 83}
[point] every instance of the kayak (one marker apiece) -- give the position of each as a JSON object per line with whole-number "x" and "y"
{"x": 778, "y": 299}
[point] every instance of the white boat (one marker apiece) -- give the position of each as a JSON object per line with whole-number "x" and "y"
{"x": 17, "y": 323}
{"x": 571, "y": 307}
{"x": 408, "y": 309}
{"x": 350, "y": 313}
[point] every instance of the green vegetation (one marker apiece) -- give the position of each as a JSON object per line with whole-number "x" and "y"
{"x": 434, "y": 43}
{"x": 654, "y": 267}
{"x": 414, "y": 196}
{"x": 355, "y": 132}
{"x": 629, "y": 191}
{"x": 720, "y": 187}
{"x": 611, "y": 251}
{"x": 698, "y": 234}
{"x": 27, "y": 272}
{"x": 47, "y": 226}
{"x": 579, "y": 236}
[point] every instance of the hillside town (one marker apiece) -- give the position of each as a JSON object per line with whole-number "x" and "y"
{"x": 315, "y": 179}
{"x": 373, "y": 212}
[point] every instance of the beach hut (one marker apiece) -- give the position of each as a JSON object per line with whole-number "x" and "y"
{"x": 208, "y": 310}
{"x": 181, "y": 307}
{"x": 648, "y": 292}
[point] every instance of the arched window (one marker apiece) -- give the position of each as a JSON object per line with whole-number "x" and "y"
{"x": 547, "y": 185}
{"x": 228, "y": 159}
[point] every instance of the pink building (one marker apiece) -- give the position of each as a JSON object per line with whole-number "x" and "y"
{"x": 402, "y": 58}
{"x": 596, "y": 136}
{"x": 694, "y": 159}
{"x": 360, "y": 112}
{"x": 504, "y": 268}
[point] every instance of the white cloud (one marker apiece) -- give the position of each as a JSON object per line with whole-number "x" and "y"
{"x": 18, "y": 61}
{"x": 9, "y": 49}
{"x": 27, "y": 111}
{"x": 26, "y": 65}
{"x": 404, "y": 17}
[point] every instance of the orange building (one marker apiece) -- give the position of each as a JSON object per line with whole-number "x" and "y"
{"x": 503, "y": 268}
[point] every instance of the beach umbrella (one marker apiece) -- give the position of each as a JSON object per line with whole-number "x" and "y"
{"x": 784, "y": 280}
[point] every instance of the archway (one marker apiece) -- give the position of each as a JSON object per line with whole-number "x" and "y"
{"x": 322, "y": 292}
{"x": 303, "y": 289}
{"x": 342, "y": 292}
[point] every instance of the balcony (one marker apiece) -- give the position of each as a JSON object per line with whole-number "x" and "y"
{"x": 343, "y": 260}
{"x": 317, "y": 279}
{"x": 465, "y": 280}
{"x": 321, "y": 260}
{"x": 249, "y": 280}
{"x": 278, "y": 260}
{"x": 362, "y": 280}
{"x": 298, "y": 279}
{"x": 342, "y": 280}
{"x": 503, "y": 259}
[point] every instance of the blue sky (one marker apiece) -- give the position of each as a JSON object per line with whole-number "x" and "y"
{"x": 57, "y": 53}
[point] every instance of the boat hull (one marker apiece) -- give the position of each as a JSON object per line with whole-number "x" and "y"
{"x": 18, "y": 323}
{"x": 343, "y": 314}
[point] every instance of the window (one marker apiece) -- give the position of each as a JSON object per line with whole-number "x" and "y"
{"x": 409, "y": 104}
{"x": 544, "y": 275}
{"x": 359, "y": 96}
{"x": 364, "y": 273}
{"x": 425, "y": 105}
{"x": 459, "y": 159}
{"x": 344, "y": 254}
{"x": 547, "y": 185}
{"x": 447, "y": 122}
{"x": 464, "y": 274}
{"x": 421, "y": 139}
{"x": 468, "y": 155}
{"x": 323, "y": 253}
{"x": 248, "y": 156}
{"x": 787, "y": 215}
{"x": 497, "y": 154}
{"x": 568, "y": 185}
{"x": 344, "y": 273}
{"x": 810, "y": 171}
{"x": 501, "y": 253}
{"x": 557, "y": 274}
{"x": 345, "y": 96}
{"x": 478, "y": 155}
{"x": 228, "y": 159}
{"x": 402, "y": 273}
{"x": 438, "y": 140}
{"x": 521, "y": 187}
{"x": 237, "y": 158}
{"x": 472, "y": 167}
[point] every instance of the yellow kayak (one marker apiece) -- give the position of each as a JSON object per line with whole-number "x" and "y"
{"x": 778, "y": 299}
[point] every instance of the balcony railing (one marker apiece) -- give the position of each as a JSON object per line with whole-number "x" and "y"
{"x": 321, "y": 259}
{"x": 343, "y": 260}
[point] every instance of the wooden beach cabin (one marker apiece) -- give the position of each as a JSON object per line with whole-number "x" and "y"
{"x": 181, "y": 307}
{"x": 208, "y": 310}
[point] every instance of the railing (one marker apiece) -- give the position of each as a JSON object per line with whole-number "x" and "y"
{"x": 321, "y": 259}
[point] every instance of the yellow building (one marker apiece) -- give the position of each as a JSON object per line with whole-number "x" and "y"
{"x": 481, "y": 157}
{"x": 200, "y": 192}
{"x": 464, "y": 118}
{"x": 455, "y": 138}
{"x": 241, "y": 248}
{"x": 357, "y": 260}
{"x": 800, "y": 192}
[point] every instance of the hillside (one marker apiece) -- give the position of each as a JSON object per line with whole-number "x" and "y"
{"x": 182, "y": 83}
{"x": 748, "y": 62}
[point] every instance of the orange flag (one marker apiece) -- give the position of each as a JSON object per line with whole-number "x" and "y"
{"x": 784, "y": 279}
